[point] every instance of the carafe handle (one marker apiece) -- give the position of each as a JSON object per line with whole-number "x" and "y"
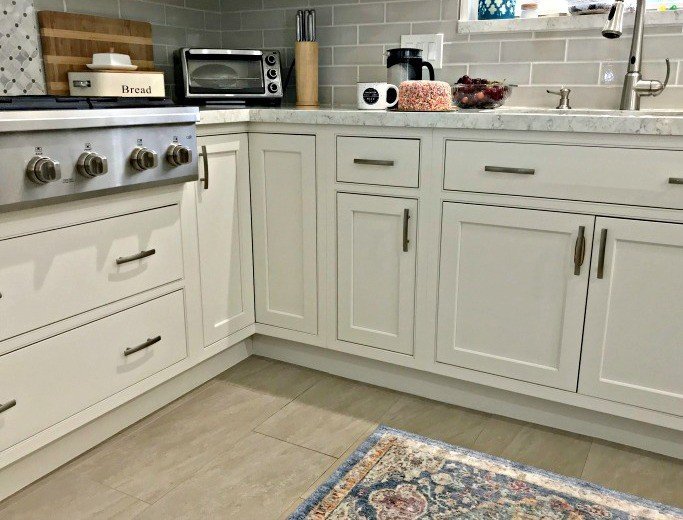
{"x": 430, "y": 68}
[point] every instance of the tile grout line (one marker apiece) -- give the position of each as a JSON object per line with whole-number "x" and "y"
{"x": 297, "y": 445}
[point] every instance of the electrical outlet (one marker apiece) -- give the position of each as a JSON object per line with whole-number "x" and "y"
{"x": 431, "y": 45}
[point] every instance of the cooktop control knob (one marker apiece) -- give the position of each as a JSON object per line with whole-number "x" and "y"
{"x": 272, "y": 74}
{"x": 91, "y": 164}
{"x": 42, "y": 170}
{"x": 177, "y": 155}
{"x": 144, "y": 159}
{"x": 270, "y": 59}
{"x": 272, "y": 88}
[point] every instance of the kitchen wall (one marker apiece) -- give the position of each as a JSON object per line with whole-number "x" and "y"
{"x": 354, "y": 34}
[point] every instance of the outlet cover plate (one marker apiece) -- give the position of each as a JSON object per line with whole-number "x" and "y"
{"x": 431, "y": 45}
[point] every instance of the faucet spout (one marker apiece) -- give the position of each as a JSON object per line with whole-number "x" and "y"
{"x": 614, "y": 26}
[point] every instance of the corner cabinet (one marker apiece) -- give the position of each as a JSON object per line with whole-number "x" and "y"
{"x": 633, "y": 343}
{"x": 283, "y": 188}
{"x": 512, "y": 292}
{"x": 224, "y": 234}
{"x": 376, "y": 255}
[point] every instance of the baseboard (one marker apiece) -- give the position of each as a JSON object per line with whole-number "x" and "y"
{"x": 38, "y": 464}
{"x": 478, "y": 397}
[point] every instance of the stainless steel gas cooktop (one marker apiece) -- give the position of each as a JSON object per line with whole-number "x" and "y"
{"x": 80, "y": 150}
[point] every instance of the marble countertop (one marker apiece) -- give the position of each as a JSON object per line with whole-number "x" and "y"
{"x": 506, "y": 118}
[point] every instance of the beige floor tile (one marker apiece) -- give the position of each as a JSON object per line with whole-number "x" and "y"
{"x": 548, "y": 449}
{"x": 330, "y": 415}
{"x": 637, "y": 472}
{"x": 271, "y": 377}
{"x": 258, "y": 479}
{"x": 497, "y": 434}
{"x": 287, "y": 512}
{"x": 338, "y": 462}
{"x": 157, "y": 457}
{"x": 436, "y": 420}
{"x": 69, "y": 496}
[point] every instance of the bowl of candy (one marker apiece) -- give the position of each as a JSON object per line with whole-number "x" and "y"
{"x": 480, "y": 93}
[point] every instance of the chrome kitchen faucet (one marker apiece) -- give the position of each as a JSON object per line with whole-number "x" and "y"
{"x": 634, "y": 85}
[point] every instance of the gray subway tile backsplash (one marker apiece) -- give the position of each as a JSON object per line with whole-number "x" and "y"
{"x": 354, "y": 34}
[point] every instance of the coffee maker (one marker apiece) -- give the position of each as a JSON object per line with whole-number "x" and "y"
{"x": 406, "y": 64}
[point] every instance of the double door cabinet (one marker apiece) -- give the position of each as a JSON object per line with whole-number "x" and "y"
{"x": 516, "y": 286}
{"x": 568, "y": 300}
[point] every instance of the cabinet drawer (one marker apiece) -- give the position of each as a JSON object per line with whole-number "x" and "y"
{"x": 383, "y": 161}
{"x": 63, "y": 375}
{"x": 617, "y": 175}
{"x": 46, "y": 277}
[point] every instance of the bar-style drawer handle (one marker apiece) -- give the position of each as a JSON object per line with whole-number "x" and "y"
{"x": 675, "y": 180}
{"x": 133, "y": 258}
{"x": 143, "y": 346}
{"x": 373, "y": 162}
{"x": 8, "y": 405}
{"x": 507, "y": 169}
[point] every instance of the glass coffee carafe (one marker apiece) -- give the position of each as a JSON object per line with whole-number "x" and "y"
{"x": 405, "y": 65}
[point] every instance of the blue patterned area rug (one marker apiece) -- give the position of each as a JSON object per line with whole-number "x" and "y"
{"x": 395, "y": 475}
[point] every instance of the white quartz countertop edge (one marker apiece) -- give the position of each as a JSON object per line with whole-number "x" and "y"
{"x": 533, "y": 119}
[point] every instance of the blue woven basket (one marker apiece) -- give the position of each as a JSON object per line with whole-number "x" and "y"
{"x": 496, "y": 9}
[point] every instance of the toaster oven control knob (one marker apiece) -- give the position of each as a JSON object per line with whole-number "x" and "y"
{"x": 272, "y": 74}
{"x": 91, "y": 164}
{"x": 177, "y": 155}
{"x": 270, "y": 59}
{"x": 272, "y": 88}
{"x": 42, "y": 170}
{"x": 143, "y": 159}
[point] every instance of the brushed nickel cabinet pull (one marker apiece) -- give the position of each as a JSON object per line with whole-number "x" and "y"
{"x": 137, "y": 256}
{"x": 579, "y": 250}
{"x": 675, "y": 180}
{"x": 373, "y": 162}
{"x": 506, "y": 169}
{"x": 601, "y": 256}
{"x": 406, "y": 241}
{"x": 146, "y": 344}
{"x": 205, "y": 180}
{"x": 8, "y": 405}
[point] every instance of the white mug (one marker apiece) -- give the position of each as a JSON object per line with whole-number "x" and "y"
{"x": 373, "y": 96}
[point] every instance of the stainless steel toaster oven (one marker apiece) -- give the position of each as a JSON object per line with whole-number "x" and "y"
{"x": 244, "y": 76}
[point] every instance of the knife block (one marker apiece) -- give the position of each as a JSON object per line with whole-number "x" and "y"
{"x": 306, "y": 68}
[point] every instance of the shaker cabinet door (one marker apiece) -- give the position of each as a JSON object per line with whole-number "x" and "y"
{"x": 633, "y": 342}
{"x": 224, "y": 231}
{"x": 512, "y": 292}
{"x": 284, "y": 218}
{"x": 376, "y": 271}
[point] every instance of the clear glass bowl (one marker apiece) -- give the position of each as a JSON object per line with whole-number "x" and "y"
{"x": 482, "y": 95}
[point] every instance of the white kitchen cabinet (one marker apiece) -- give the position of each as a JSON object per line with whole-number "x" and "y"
{"x": 511, "y": 299}
{"x": 224, "y": 234}
{"x": 52, "y": 275}
{"x": 633, "y": 342}
{"x": 283, "y": 187}
{"x": 51, "y": 380}
{"x": 376, "y": 255}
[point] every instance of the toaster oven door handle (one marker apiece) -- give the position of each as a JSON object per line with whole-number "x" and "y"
{"x": 227, "y": 52}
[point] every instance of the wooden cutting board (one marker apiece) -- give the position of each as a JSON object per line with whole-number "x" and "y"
{"x": 69, "y": 41}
